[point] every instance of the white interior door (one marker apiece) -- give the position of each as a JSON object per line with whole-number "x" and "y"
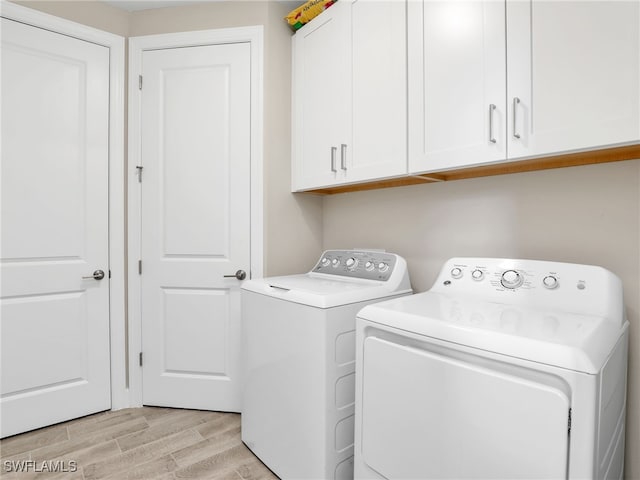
{"x": 55, "y": 323}
{"x": 195, "y": 116}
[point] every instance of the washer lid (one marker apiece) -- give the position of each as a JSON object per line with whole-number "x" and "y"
{"x": 571, "y": 341}
{"x": 318, "y": 291}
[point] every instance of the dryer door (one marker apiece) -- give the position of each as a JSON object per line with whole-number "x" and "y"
{"x": 428, "y": 415}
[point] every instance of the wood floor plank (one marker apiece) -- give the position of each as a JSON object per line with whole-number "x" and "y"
{"x": 77, "y": 475}
{"x": 142, "y": 454}
{"x": 59, "y": 449}
{"x": 175, "y": 424}
{"x": 88, "y": 455}
{"x": 226, "y": 421}
{"x": 162, "y": 467}
{"x": 114, "y": 431}
{"x": 99, "y": 424}
{"x": 218, "y": 465}
{"x": 32, "y": 440}
{"x": 254, "y": 469}
{"x": 208, "y": 447}
{"x": 154, "y": 414}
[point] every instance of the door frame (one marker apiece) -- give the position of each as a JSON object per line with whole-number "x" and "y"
{"x": 117, "y": 263}
{"x": 137, "y": 45}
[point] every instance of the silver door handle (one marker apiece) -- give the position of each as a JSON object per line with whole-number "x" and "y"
{"x": 492, "y": 107}
{"x": 343, "y": 157}
{"x": 516, "y": 101}
{"x": 97, "y": 275}
{"x": 240, "y": 275}
{"x": 334, "y": 150}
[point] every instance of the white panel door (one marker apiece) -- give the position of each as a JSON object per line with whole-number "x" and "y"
{"x": 195, "y": 222}
{"x": 378, "y": 144}
{"x": 55, "y": 323}
{"x": 573, "y": 75}
{"x": 457, "y": 86}
{"x": 426, "y": 415}
{"x": 321, "y": 98}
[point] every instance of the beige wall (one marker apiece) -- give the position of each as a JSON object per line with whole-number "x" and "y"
{"x": 587, "y": 214}
{"x": 94, "y": 14}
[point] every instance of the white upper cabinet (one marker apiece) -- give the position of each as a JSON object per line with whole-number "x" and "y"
{"x": 350, "y": 95}
{"x": 491, "y": 81}
{"x": 391, "y": 88}
{"x": 457, "y": 83}
{"x": 321, "y": 97}
{"x": 378, "y": 145}
{"x": 573, "y": 75}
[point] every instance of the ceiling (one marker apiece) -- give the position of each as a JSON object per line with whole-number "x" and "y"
{"x": 136, "y": 5}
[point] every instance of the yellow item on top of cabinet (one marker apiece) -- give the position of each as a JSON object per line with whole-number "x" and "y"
{"x": 307, "y": 12}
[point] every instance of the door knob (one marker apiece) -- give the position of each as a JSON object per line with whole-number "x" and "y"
{"x": 97, "y": 275}
{"x": 240, "y": 275}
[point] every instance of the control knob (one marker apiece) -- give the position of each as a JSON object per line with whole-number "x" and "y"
{"x": 335, "y": 263}
{"x": 383, "y": 267}
{"x": 511, "y": 279}
{"x": 369, "y": 266}
{"x": 456, "y": 272}
{"x": 325, "y": 262}
{"x": 550, "y": 282}
{"x": 351, "y": 263}
{"x": 477, "y": 275}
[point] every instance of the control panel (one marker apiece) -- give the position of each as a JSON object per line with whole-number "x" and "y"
{"x": 524, "y": 275}
{"x": 542, "y": 284}
{"x": 371, "y": 265}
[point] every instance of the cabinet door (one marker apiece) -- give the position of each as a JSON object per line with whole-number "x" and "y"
{"x": 573, "y": 79}
{"x": 378, "y": 145}
{"x": 321, "y": 69}
{"x": 457, "y": 77}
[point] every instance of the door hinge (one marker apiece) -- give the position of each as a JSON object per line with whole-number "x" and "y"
{"x": 569, "y": 423}
{"x": 140, "y": 358}
{"x": 139, "y": 171}
{"x": 139, "y": 267}
{"x": 139, "y": 82}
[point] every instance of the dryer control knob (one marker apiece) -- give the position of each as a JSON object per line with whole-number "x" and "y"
{"x": 550, "y": 282}
{"x": 351, "y": 263}
{"x": 369, "y": 266}
{"x": 511, "y": 279}
{"x": 477, "y": 275}
{"x": 325, "y": 262}
{"x": 335, "y": 263}
{"x": 456, "y": 272}
{"x": 383, "y": 267}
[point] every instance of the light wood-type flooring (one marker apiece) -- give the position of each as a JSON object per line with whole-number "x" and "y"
{"x": 137, "y": 443}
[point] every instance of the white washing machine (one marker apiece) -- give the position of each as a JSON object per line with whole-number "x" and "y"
{"x": 505, "y": 369}
{"x": 299, "y": 360}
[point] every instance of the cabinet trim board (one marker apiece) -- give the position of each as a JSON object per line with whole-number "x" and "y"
{"x": 629, "y": 152}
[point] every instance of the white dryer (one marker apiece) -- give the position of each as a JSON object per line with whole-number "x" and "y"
{"x": 299, "y": 360}
{"x": 505, "y": 369}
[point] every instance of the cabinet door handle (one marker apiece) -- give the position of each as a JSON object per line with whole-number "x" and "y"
{"x": 343, "y": 157}
{"x": 516, "y": 101}
{"x": 334, "y": 150}
{"x": 492, "y": 107}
